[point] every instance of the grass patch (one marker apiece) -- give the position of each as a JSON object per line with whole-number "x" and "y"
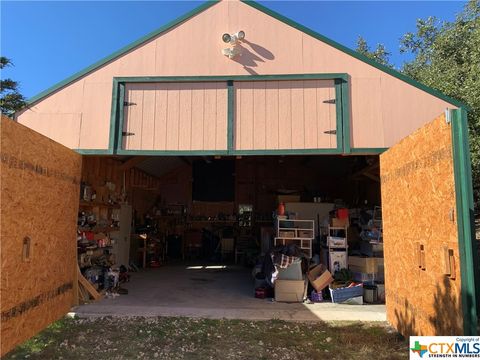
{"x": 187, "y": 338}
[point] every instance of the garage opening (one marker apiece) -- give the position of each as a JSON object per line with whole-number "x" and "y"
{"x": 232, "y": 230}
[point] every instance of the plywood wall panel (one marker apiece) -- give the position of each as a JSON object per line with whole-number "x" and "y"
{"x": 259, "y": 120}
{"x": 40, "y": 186}
{"x": 176, "y": 116}
{"x": 198, "y": 99}
{"x": 286, "y": 115}
{"x": 418, "y": 199}
{"x": 173, "y": 115}
{"x": 194, "y": 48}
{"x": 272, "y": 115}
{"x": 210, "y": 119}
{"x": 160, "y": 125}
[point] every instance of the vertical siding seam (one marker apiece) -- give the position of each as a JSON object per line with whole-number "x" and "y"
{"x": 81, "y": 117}
{"x": 166, "y": 117}
{"x": 253, "y": 116}
{"x": 191, "y": 119}
{"x": 291, "y": 116}
{"x": 178, "y": 119}
{"x": 304, "y": 125}
{"x": 80, "y": 129}
{"x": 141, "y": 119}
{"x": 203, "y": 119}
{"x": 239, "y": 120}
{"x": 278, "y": 114}
{"x": 154, "y": 113}
{"x": 216, "y": 115}
{"x": 265, "y": 106}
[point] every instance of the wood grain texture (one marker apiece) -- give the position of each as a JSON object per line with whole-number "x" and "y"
{"x": 284, "y": 114}
{"x": 176, "y": 116}
{"x": 40, "y": 194}
{"x": 418, "y": 199}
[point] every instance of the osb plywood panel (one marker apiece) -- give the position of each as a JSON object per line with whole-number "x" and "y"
{"x": 194, "y": 48}
{"x": 418, "y": 200}
{"x": 39, "y": 200}
{"x": 176, "y": 116}
{"x": 284, "y": 115}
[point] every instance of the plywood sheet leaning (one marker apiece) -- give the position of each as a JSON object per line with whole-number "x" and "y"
{"x": 39, "y": 203}
{"x": 422, "y": 264}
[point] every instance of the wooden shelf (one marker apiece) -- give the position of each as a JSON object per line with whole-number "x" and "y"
{"x": 101, "y": 230}
{"x": 93, "y": 204}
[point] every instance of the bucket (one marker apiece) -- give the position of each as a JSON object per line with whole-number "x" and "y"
{"x": 370, "y": 294}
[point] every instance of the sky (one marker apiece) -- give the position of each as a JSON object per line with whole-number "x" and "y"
{"x": 48, "y": 41}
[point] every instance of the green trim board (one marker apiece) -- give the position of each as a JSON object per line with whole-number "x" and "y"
{"x": 261, "y": 8}
{"x": 341, "y": 95}
{"x": 121, "y": 51}
{"x": 93, "y": 151}
{"x": 354, "y": 53}
{"x": 339, "y": 114}
{"x": 465, "y": 221}
{"x": 367, "y": 151}
{"x": 228, "y": 153}
{"x": 346, "y": 116}
{"x": 307, "y": 76}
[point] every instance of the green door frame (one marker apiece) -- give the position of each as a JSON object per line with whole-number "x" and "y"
{"x": 342, "y": 114}
{"x": 469, "y": 262}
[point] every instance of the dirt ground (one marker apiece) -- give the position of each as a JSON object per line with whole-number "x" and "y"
{"x": 185, "y": 338}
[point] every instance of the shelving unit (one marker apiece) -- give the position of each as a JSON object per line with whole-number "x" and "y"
{"x": 337, "y": 248}
{"x": 297, "y": 232}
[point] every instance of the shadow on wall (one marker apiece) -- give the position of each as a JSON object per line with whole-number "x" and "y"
{"x": 447, "y": 318}
{"x": 251, "y": 58}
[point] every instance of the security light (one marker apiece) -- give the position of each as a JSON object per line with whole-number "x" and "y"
{"x": 233, "y": 38}
{"x": 226, "y": 38}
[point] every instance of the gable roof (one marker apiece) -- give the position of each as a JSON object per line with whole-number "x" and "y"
{"x": 264, "y": 10}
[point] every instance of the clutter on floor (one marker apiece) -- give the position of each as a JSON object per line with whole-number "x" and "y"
{"x": 340, "y": 273}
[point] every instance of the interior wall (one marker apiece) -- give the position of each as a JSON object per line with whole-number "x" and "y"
{"x": 257, "y": 180}
{"x": 137, "y": 187}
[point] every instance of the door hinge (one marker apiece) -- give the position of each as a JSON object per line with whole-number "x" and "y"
{"x": 125, "y": 133}
{"x": 127, "y": 103}
{"x": 330, "y": 132}
{"x": 331, "y": 101}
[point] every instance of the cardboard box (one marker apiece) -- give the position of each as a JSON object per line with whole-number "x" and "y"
{"x": 306, "y": 234}
{"x": 286, "y": 233}
{"x": 287, "y": 198}
{"x": 370, "y": 265}
{"x": 290, "y": 290}
{"x": 335, "y": 222}
{"x": 320, "y": 277}
{"x": 293, "y": 272}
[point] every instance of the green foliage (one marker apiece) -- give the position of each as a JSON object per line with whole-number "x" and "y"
{"x": 10, "y": 98}
{"x": 446, "y": 57}
{"x": 380, "y": 54}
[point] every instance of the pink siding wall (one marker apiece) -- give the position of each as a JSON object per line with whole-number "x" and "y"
{"x": 284, "y": 115}
{"x": 176, "y": 116}
{"x": 383, "y": 109}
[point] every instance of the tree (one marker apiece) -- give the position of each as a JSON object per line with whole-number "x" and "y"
{"x": 10, "y": 98}
{"x": 380, "y": 54}
{"x": 447, "y": 58}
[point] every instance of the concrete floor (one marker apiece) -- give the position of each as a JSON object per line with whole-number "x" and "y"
{"x": 214, "y": 292}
